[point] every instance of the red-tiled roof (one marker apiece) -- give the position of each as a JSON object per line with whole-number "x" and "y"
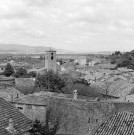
{"x": 121, "y": 123}
{"x": 21, "y": 122}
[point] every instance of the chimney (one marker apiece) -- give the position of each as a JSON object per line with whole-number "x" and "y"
{"x": 75, "y": 94}
{"x": 11, "y": 128}
{"x": 11, "y": 98}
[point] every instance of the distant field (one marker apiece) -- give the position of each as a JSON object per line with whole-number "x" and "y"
{"x": 67, "y": 56}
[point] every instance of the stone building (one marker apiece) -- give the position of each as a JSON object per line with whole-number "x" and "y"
{"x": 12, "y": 122}
{"x": 50, "y": 60}
{"x": 75, "y": 116}
{"x": 10, "y": 93}
{"x": 32, "y": 106}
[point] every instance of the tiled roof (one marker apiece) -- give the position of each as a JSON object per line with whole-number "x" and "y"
{"x": 7, "y": 92}
{"x": 50, "y": 50}
{"x": 125, "y": 70}
{"x": 121, "y": 123}
{"x": 118, "y": 88}
{"x": 10, "y": 90}
{"x": 21, "y": 123}
{"x": 42, "y": 98}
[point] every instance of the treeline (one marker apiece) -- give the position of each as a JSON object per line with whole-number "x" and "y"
{"x": 123, "y": 59}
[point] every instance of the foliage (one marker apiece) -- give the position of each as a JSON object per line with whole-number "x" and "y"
{"x": 32, "y": 74}
{"x": 42, "y": 57}
{"x": 22, "y": 72}
{"x": 83, "y": 90}
{"x": 115, "y": 56}
{"x": 123, "y": 60}
{"x": 126, "y": 60}
{"x": 50, "y": 81}
{"x": 9, "y": 70}
{"x": 71, "y": 60}
{"x": 39, "y": 128}
{"x": 60, "y": 61}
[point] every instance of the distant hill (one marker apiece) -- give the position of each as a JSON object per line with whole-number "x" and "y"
{"x": 25, "y": 49}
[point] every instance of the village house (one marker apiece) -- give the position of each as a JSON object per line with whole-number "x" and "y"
{"x": 12, "y": 122}
{"x": 34, "y": 105}
{"x": 9, "y": 93}
{"x": 81, "y": 61}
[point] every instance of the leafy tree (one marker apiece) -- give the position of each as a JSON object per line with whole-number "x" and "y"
{"x": 9, "y": 70}
{"x": 60, "y": 61}
{"x": 39, "y": 128}
{"x": 32, "y": 74}
{"x": 82, "y": 89}
{"x": 118, "y": 53}
{"x": 50, "y": 81}
{"x": 42, "y": 57}
{"x": 115, "y": 56}
{"x": 22, "y": 72}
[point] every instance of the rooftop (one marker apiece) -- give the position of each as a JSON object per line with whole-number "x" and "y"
{"x": 42, "y": 97}
{"x": 21, "y": 123}
{"x": 50, "y": 50}
{"x": 118, "y": 88}
{"x": 121, "y": 123}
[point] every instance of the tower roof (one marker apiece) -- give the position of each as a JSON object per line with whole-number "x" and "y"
{"x": 50, "y": 50}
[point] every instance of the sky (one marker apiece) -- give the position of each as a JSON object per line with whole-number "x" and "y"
{"x": 76, "y": 25}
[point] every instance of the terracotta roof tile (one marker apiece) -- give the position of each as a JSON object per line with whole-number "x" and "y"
{"x": 121, "y": 123}
{"x": 21, "y": 123}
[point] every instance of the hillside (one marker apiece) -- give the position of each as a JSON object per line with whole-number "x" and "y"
{"x": 17, "y": 48}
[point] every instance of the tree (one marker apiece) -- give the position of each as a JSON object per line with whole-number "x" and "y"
{"x": 60, "y": 61}
{"x": 39, "y": 128}
{"x": 83, "y": 90}
{"x": 50, "y": 81}
{"x": 32, "y": 74}
{"x": 22, "y": 72}
{"x": 9, "y": 70}
{"x": 42, "y": 57}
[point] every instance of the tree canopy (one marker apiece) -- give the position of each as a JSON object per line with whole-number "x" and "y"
{"x": 50, "y": 81}
{"x": 39, "y": 128}
{"x": 22, "y": 72}
{"x": 9, "y": 70}
{"x": 123, "y": 60}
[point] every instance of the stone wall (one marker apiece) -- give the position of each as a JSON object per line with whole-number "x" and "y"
{"x": 32, "y": 111}
{"x": 77, "y": 117}
{"x": 83, "y": 118}
{"x": 26, "y": 82}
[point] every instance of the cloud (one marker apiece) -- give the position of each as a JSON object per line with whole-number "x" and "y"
{"x": 68, "y": 20}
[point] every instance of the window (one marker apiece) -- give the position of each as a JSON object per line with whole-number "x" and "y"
{"x": 20, "y": 108}
{"x": 52, "y": 57}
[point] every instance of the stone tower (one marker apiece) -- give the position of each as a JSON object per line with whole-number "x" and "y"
{"x": 50, "y": 60}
